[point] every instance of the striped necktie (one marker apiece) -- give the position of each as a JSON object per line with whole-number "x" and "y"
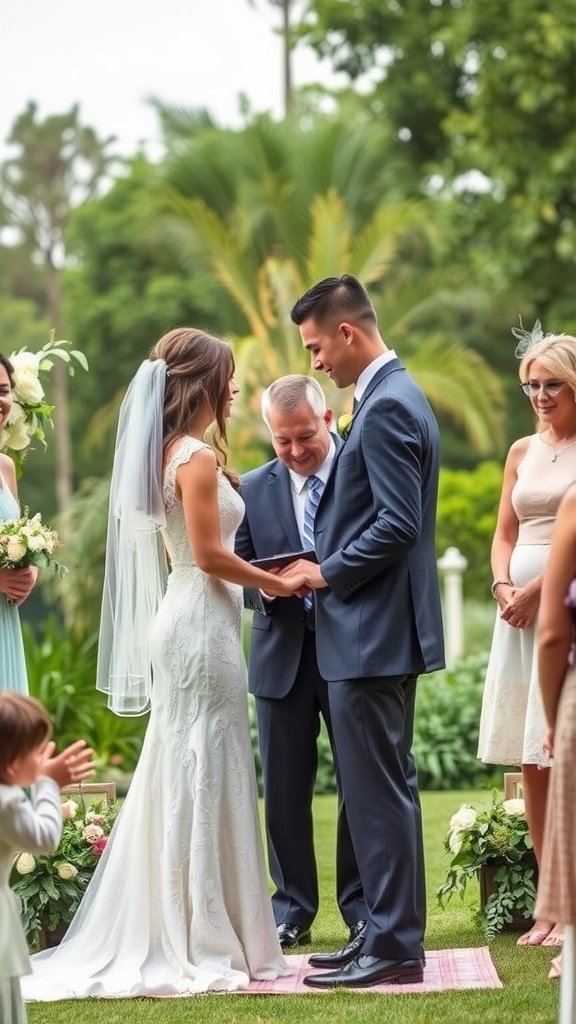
{"x": 315, "y": 488}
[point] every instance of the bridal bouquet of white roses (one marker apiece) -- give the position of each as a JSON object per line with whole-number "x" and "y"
{"x": 31, "y": 415}
{"x": 27, "y": 541}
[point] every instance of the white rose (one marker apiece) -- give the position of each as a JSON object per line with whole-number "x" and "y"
{"x": 17, "y": 432}
{"x": 66, "y": 870}
{"x": 25, "y": 864}
{"x": 69, "y": 808}
{"x": 15, "y": 549}
{"x": 514, "y": 807}
{"x": 464, "y": 818}
{"x": 27, "y": 387}
{"x": 27, "y": 361}
{"x": 92, "y": 832}
{"x": 35, "y": 541}
{"x": 455, "y": 841}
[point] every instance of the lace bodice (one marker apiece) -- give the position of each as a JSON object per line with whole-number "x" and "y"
{"x": 230, "y": 506}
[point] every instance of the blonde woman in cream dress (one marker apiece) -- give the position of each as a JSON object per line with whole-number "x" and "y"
{"x": 538, "y": 471}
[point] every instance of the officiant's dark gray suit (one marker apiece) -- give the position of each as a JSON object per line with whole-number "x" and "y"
{"x": 290, "y": 696}
{"x": 378, "y": 625}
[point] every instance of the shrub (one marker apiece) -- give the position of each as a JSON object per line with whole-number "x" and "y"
{"x": 62, "y": 676}
{"x": 467, "y": 508}
{"x": 446, "y": 726}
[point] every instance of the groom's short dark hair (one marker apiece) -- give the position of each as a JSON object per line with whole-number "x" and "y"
{"x": 334, "y": 297}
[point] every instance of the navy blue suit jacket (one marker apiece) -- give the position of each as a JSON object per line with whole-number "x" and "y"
{"x": 278, "y": 627}
{"x": 375, "y": 538}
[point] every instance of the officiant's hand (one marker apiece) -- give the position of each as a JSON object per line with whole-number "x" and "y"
{"x": 313, "y": 578}
{"x": 74, "y": 764}
{"x": 283, "y": 586}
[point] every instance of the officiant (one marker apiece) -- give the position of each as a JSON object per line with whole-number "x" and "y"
{"x": 290, "y": 694}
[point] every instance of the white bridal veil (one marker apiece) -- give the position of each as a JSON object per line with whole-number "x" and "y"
{"x": 136, "y": 571}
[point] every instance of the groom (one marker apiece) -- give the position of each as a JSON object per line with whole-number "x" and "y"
{"x": 378, "y": 620}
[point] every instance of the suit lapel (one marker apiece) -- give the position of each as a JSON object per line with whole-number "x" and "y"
{"x": 281, "y": 498}
{"x": 383, "y": 372}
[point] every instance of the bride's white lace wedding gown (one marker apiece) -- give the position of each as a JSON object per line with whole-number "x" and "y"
{"x": 179, "y": 903}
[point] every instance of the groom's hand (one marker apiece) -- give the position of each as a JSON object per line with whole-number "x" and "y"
{"x": 311, "y": 572}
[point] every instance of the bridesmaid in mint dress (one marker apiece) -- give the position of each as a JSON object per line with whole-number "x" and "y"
{"x": 15, "y": 585}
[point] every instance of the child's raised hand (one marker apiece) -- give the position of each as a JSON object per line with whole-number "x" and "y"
{"x": 74, "y": 764}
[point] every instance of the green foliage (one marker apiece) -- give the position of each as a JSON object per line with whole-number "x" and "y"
{"x": 467, "y": 508}
{"x": 446, "y": 726}
{"x": 491, "y": 835}
{"x": 61, "y": 675}
{"x": 50, "y": 886}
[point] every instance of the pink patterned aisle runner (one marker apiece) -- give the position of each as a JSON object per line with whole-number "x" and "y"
{"x": 445, "y": 969}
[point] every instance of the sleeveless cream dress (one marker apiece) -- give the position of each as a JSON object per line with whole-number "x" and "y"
{"x": 512, "y": 722}
{"x": 179, "y": 903}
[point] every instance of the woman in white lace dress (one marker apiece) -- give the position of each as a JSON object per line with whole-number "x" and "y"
{"x": 538, "y": 471}
{"x": 179, "y": 903}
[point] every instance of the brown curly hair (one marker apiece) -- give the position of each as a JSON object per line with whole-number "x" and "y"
{"x": 199, "y": 369}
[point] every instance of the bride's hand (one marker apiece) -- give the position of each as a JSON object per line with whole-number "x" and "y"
{"x": 282, "y": 586}
{"x": 313, "y": 578}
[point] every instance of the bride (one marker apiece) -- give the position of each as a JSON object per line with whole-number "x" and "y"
{"x": 179, "y": 901}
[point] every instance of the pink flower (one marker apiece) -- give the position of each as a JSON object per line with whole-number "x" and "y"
{"x": 99, "y": 845}
{"x": 92, "y": 832}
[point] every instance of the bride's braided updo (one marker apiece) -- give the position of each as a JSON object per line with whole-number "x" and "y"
{"x": 199, "y": 369}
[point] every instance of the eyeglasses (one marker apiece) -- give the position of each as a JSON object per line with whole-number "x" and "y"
{"x": 549, "y": 387}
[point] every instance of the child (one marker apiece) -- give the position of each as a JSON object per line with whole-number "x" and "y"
{"x": 26, "y": 759}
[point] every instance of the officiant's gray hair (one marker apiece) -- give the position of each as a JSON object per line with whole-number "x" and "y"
{"x": 288, "y": 393}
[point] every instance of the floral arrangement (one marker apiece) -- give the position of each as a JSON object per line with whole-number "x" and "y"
{"x": 343, "y": 424}
{"x": 31, "y": 415}
{"x": 493, "y": 836}
{"x": 50, "y": 886}
{"x": 27, "y": 541}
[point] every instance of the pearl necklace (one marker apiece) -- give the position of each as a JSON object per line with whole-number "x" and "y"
{"x": 557, "y": 451}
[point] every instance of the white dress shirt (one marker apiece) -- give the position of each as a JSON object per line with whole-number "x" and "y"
{"x": 369, "y": 371}
{"x": 299, "y": 488}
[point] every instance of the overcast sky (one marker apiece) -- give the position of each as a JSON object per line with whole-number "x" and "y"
{"x": 110, "y": 55}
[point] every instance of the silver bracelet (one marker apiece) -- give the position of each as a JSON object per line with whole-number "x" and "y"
{"x": 497, "y": 583}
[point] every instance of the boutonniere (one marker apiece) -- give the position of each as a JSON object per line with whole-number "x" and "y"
{"x": 344, "y": 424}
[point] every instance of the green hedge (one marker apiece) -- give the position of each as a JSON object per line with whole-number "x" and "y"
{"x": 62, "y": 671}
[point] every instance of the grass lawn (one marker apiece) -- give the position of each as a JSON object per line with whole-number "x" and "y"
{"x": 527, "y": 997}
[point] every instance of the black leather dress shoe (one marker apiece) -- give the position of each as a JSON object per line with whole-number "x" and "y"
{"x": 290, "y": 935}
{"x": 342, "y": 956}
{"x": 369, "y": 970}
{"x": 358, "y": 928}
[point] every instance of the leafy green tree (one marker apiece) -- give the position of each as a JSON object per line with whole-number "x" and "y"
{"x": 467, "y": 509}
{"x": 58, "y": 164}
{"x": 306, "y": 204}
{"x": 483, "y": 107}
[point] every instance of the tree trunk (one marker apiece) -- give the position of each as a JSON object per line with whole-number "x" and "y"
{"x": 287, "y": 55}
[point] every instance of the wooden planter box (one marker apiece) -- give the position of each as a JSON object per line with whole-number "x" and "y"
{"x": 519, "y": 923}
